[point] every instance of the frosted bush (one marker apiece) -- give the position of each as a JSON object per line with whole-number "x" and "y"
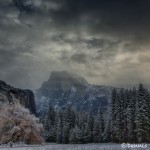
{"x": 17, "y": 124}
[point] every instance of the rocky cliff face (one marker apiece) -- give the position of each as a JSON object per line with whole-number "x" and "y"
{"x": 67, "y": 89}
{"x": 60, "y": 83}
{"x": 11, "y": 95}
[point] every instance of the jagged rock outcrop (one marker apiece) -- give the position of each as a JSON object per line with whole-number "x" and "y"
{"x": 11, "y": 95}
{"x": 67, "y": 89}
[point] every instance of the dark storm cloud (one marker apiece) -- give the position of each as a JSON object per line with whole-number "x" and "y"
{"x": 126, "y": 18}
{"x": 118, "y": 17}
{"x": 109, "y": 37}
{"x": 79, "y": 58}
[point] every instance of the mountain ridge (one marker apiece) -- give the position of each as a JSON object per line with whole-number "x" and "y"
{"x": 64, "y": 89}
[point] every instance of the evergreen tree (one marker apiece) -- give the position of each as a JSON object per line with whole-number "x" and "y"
{"x": 69, "y": 117}
{"x": 83, "y": 119}
{"x": 49, "y": 133}
{"x": 148, "y": 113}
{"x": 75, "y": 135}
{"x": 133, "y": 111}
{"x": 113, "y": 113}
{"x": 51, "y": 137}
{"x": 98, "y": 126}
{"x": 141, "y": 114}
{"x": 125, "y": 113}
{"x": 91, "y": 125}
{"x": 129, "y": 123}
{"x": 97, "y": 132}
{"x": 66, "y": 131}
{"x": 86, "y": 134}
{"x": 59, "y": 132}
{"x": 51, "y": 115}
{"x": 107, "y": 135}
{"x": 46, "y": 128}
{"x": 118, "y": 120}
{"x": 101, "y": 119}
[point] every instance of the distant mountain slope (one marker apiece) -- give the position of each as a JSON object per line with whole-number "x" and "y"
{"x": 67, "y": 89}
{"x": 11, "y": 95}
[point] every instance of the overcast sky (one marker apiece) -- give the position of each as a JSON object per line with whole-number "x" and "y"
{"x": 105, "y": 41}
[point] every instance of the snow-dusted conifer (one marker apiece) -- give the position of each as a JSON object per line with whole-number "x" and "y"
{"x": 75, "y": 135}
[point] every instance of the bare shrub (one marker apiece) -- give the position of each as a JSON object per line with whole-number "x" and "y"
{"x": 17, "y": 124}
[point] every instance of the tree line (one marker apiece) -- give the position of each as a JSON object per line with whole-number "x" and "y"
{"x": 69, "y": 126}
{"x": 130, "y": 117}
{"x": 126, "y": 120}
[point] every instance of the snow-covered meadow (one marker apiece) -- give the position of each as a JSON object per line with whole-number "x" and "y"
{"x": 72, "y": 147}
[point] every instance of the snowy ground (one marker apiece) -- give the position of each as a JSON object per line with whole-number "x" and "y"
{"x": 73, "y": 147}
